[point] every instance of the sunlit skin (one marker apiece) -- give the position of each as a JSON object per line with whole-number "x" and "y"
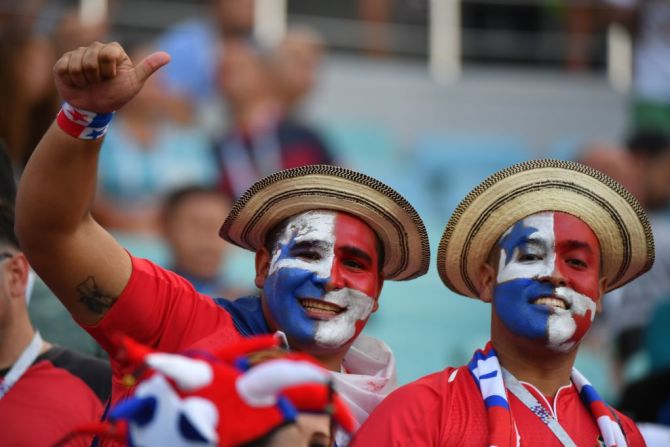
{"x": 321, "y": 282}
{"x": 544, "y": 289}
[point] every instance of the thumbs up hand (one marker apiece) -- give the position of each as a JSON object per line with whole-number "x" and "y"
{"x": 101, "y": 78}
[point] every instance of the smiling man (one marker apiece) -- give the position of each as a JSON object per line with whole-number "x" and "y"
{"x": 541, "y": 241}
{"x": 325, "y": 240}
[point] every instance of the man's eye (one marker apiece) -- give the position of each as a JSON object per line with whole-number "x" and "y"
{"x": 577, "y": 263}
{"x": 529, "y": 257}
{"x": 307, "y": 255}
{"x": 352, "y": 263}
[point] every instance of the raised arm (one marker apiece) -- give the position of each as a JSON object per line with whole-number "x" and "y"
{"x": 81, "y": 263}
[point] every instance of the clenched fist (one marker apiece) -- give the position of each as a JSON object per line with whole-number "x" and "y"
{"x": 101, "y": 78}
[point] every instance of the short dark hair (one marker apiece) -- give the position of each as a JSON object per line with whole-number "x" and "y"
{"x": 650, "y": 143}
{"x": 179, "y": 195}
{"x": 272, "y": 237}
{"x": 7, "y": 235}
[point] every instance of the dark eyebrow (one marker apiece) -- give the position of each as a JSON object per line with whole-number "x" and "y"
{"x": 355, "y": 251}
{"x": 532, "y": 241}
{"x": 310, "y": 244}
{"x": 577, "y": 245}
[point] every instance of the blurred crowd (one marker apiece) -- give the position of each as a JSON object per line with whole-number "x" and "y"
{"x": 227, "y": 111}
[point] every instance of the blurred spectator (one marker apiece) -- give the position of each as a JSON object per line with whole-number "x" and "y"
{"x": 644, "y": 168}
{"x": 195, "y": 43}
{"x": 29, "y": 98}
{"x": 147, "y": 154}
{"x": 192, "y": 217}
{"x": 296, "y": 62}
{"x": 74, "y": 31}
{"x": 250, "y": 394}
{"x": 376, "y": 14}
{"x": 263, "y": 139}
{"x": 649, "y": 20}
{"x": 580, "y": 27}
{"x": 648, "y": 399}
{"x": 45, "y": 390}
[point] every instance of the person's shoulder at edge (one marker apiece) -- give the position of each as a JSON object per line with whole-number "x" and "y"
{"x": 96, "y": 373}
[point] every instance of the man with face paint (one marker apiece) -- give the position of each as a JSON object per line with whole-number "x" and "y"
{"x": 541, "y": 241}
{"x": 325, "y": 240}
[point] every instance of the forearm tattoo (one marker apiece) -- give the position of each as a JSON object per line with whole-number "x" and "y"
{"x": 94, "y": 298}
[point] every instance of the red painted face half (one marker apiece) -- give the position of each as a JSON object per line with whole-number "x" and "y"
{"x": 323, "y": 280}
{"x": 356, "y": 260}
{"x": 548, "y": 282}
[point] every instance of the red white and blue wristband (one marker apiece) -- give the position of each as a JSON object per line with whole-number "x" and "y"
{"x": 83, "y": 124}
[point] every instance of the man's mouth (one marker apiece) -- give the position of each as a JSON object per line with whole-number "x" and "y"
{"x": 320, "y": 308}
{"x": 552, "y": 301}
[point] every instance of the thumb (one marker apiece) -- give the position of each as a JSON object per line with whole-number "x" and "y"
{"x": 150, "y": 64}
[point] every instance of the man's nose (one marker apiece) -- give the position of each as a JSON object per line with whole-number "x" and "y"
{"x": 336, "y": 279}
{"x": 556, "y": 277}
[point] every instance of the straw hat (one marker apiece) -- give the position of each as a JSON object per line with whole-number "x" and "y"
{"x": 286, "y": 193}
{"x": 507, "y": 196}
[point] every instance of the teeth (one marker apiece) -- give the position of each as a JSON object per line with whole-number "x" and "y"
{"x": 555, "y": 302}
{"x": 320, "y": 305}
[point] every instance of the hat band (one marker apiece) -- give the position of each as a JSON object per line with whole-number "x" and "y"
{"x": 248, "y": 228}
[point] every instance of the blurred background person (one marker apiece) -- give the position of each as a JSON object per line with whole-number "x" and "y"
{"x": 192, "y": 216}
{"x": 649, "y": 23}
{"x": 195, "y": 42}
{"x": 147, "y": 154}
{"x": 262, "y": 139}
{"x": 252, "y": 394}
{"x": 29, "y": 101}
{"x": 45, "y": 390}
{"x": 648, "y": 398}
{"x": 296, "y": 62}
{"x": 644, "y": 164}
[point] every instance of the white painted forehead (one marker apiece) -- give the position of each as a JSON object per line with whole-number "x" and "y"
{"x": 542, "y": 220}
{"x": 315, "y": 224}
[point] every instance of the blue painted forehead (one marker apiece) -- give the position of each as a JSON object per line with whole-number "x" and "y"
{"x": 515, "y": 237}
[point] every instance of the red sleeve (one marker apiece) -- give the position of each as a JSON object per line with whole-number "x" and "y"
{"x": 411, "y": 415}
{"x": 162, "y": 310}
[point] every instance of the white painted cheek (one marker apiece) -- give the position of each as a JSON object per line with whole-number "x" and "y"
{"x": 314, "y": 226}
{"x": 339, "y": 330}
{"x": 579, "y": 304}
{"x": 544, "y": 223}
{"x": 561, "y": 326}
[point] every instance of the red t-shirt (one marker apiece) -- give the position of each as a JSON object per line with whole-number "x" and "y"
{"x": 162, "y": 310}
{"x": 60, "y": 391}
{"x": 447, "y": 409}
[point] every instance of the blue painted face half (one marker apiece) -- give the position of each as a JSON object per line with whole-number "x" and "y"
{"x": 317, "y": 292}
{"x": 282, "y": 289}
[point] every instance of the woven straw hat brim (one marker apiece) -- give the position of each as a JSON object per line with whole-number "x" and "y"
{"x": 615, "y": 216}
{"x": 286, "y": 193}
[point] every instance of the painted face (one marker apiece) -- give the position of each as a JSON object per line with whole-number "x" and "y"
{"x": 548, "y": 279}
{"x": 323, "y": 279}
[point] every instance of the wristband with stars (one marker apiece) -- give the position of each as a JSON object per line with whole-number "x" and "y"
{"x": 83, "y": 124}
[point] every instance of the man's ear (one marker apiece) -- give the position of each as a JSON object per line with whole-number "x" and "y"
{"x": 487, "y": 275}
{"x": 602, "y": 286}
{"x": 262, "y": 266}
{"x": 380, "y": 285}
{"x": 17, "y": 273}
